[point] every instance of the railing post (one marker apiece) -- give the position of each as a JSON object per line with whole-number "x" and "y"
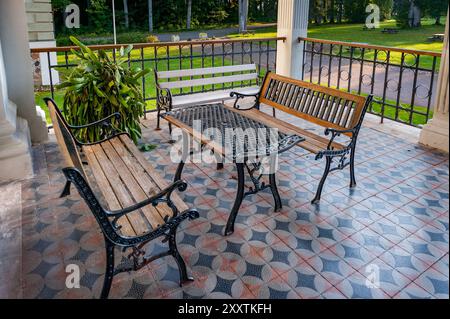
{"x": 292, "y": 24}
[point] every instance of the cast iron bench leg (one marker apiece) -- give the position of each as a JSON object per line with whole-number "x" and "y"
{"x": 158, "y": 120}
{"x": 229, "y": 228}
{"x": 322, "y": 180}
{"x": 352, "y": 168}
{"x": 66, "y": 190}
{"x": 109, "y": 274}
{"x": 178, "y": 258}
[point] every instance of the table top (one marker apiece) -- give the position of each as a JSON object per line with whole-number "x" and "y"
{"x": 230, "y": 132}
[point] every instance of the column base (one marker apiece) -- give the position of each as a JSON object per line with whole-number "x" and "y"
{"x": 15, "y": 149}
{"x": 436, "y": 134}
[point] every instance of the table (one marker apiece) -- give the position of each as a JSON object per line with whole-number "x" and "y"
{"x": 235, "y": 138}
{"x": 438, "y": 37}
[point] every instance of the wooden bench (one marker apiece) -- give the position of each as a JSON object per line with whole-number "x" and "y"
{"x": 138, "y": 205}
{"x": 221, "y": 78}
{"x": 341, "y": 113}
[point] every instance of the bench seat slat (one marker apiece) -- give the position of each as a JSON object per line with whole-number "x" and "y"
{"x": 313, "y": 142}
{"x": 117, "y": 187}
{"x": 205, "y": 71}
{"x": 208, "y": 97}
{"x": 208, "y": 81}
{"x": 138, "y": 194}
{"x": 162, "y": 183}
{"x": 142, "y": 177}
{"x": 107, "y": 191}
{"x": 138, "y": 222}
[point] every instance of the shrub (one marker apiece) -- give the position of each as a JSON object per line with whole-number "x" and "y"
{"x": 152, "y": 38}
{"x": 99, "y": 87}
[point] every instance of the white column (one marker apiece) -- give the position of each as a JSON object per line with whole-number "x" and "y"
{"x": 435, "y": 132}
{"x": 292, "y": 23}
{"x": 15, "y": 149}
{"x": 18, "y": 68}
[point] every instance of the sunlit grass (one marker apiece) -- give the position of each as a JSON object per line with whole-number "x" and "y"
{"x": 415, "y": 39}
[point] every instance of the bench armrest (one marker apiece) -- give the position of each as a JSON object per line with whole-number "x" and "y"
{"x": 163, "y": 196}
{"x": 106, "y": 122}
{"x": 163, "y": 98}
{"x": 330, "y": 151}
{"x": 338, "y": 132}
{"x": 243, "y": 95}
{"x": 116, "y": 115}
{"x": 169, "y": 225}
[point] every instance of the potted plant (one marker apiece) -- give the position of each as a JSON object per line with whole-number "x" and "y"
{"x": 100, "y": 86}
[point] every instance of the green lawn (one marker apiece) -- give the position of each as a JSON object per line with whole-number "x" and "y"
{"x": 413, "y": 39}
{"x": 408, "y": 39}
{"x": 174, "y": 63}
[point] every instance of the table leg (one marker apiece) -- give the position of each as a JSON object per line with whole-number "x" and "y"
{"x": 179, "y": 171}
{"x": 229, "y": 228}
{"x": 276, "y": 195}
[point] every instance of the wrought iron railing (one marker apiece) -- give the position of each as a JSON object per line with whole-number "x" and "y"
{"x": 171, "y": 56}
{"x": 402, "y": 81}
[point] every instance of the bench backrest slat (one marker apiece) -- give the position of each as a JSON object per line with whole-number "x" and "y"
{"x": 208, "y": 81}
{"x": 205, "y": 71}
{"x": 66, "y": 142}
{"x": 324, "y": 106}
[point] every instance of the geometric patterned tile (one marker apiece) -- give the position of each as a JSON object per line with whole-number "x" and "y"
{"x": 434, "y": 283}
{"x": 358, "y": 286}
{"x": 387, "y": 278}
{"x": 413, "y": 291}
{"x": 385, "y": 238}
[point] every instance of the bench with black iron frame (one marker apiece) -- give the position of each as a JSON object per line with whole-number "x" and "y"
{"x": 341, "y": 113}
{"x": 162, "y": 211}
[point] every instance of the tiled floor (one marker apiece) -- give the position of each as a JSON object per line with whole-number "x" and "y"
{"x": 392, "y": 227}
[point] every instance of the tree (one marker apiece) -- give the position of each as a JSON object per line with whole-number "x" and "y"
{"x": 386, "y": 7}
{"x": 243, "y": 15}
{"x": 189, "y": 14}
{"x": 332, "y": 11}
{"x": 150, "y": 16}
{"x": 355, "y": 11}
{"x": 100, "y": 14}
{"x": 433, "y": 8}
{"x": 125, "y": 13}
{"x": 408, "y": 13}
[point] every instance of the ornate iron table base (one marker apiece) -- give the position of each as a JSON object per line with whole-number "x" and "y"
{"x": 241, "y": 193}
{"x": 259, "y": 143}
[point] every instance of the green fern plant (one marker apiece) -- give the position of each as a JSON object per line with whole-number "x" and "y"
{"x": 100, "y": 86}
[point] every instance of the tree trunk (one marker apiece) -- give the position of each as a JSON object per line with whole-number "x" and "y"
{"x": 243, "y": 15}
{"x": 125, "y": 12}
{"x": 438, "y": 20}
{"x": 150, "y": 16}
{"x": 332, "y": 7}
{"x": 340, "y": 11}
{"x": 189, "y": 14}
{"x": 414, "y": 15}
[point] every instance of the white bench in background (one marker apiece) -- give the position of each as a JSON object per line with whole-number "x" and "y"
{"x": 166, "y": 81}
